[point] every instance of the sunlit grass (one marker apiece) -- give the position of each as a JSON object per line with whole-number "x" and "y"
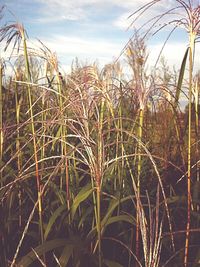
{"x": 97, "y": 162}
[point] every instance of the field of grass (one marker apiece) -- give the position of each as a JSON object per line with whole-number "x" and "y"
{"x": 95, "y": 169}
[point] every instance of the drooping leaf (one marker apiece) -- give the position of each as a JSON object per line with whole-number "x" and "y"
{"x": 66, "y": 254}
{"x": 53, "y": 218}
{"x": 82, "y": 195}
{"x": 58, "y": 192}
{"x": 112, "y": 206}
{"x": 176, "y": 199}
{"x": 40, "y": 250}
{"x": 85, "y": 215}
{"x": 120, "y": 218}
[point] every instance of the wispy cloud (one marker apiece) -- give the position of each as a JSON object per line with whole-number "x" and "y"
{"x": 86, "y": 50}
{"x": 82, "y": 9}
{"x": 123, "y": 21}
{"x": 68, "y": 10}
{"x": 82, "y": 35}
{"x": 86, "y": 46}
{"x": 53, "y": 10}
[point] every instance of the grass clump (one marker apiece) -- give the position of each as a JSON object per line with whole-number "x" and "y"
{"x": 96, "y": 169}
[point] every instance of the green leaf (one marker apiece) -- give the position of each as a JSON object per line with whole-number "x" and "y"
{"x": 85, "y": 214}
{"x": 66, "y": 254}
{"x": 105, "y": 221}
{"x": 113, "y": 205}
{"x": 58, "y": 192}
{"x": 180, "y": 79}
{"x": 176, "y": 199}
{"x": 57, "y": 136}
{"x": 120, "y": 218}
{"x": 82, "y": 195}
{"x": 53, "y": 218}
{"x": 40, "y": 250}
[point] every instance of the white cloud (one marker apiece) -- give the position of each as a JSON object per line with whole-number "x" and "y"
{"x": 86, "y": 50}
{"x": 79, "y": 9}
{"x": 79, "y": 46}
{"x": 85, "y": 3}
{"x": 89, "y": 50}
{"x": 123, "y": 21}
{"x": 56, "y": 10}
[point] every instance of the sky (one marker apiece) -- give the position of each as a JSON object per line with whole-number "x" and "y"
{"x": 92, "y": 29}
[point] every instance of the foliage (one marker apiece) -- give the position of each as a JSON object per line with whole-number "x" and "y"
{"x": 94, "y": 167}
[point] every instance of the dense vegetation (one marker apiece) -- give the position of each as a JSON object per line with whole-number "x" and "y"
{"x": 95, "y": 169}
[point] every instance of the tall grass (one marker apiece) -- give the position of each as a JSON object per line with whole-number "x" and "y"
{"x": 1, "y": 110}
{"x": 101, "y": 157}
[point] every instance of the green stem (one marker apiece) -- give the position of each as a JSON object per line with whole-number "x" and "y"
{"x": 1, "y": 118}
{"x": 1, "y": 111}
{"x": 139, "y": 166}
{"x": 99, "y": 223}
{"x": 99, "y": 178}
{"x": 197, "y": 134}
{"x": 191, "y": 55}
{"x": 19, "y": 154}
{"x": 28, "y": 76}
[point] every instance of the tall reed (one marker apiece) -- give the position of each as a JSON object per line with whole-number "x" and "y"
{"x": 142, "y": 88}
{"x": 98, "y": 145}
{"x": 16, "y": 33}
{"x": 191, "y": 24}
{"x": 1, "y": 110}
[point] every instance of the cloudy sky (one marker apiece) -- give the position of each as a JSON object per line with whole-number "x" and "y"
{"x": 92, "y": 29}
